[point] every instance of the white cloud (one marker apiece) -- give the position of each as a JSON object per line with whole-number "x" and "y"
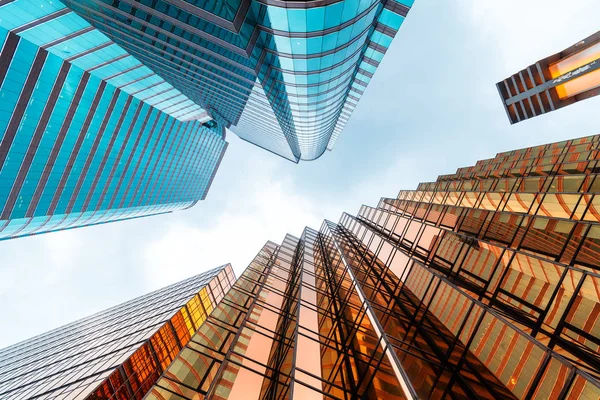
{"x": 60, "y": 250}
{"x": 530, "y": 29}
{"x": 269, "y": 210}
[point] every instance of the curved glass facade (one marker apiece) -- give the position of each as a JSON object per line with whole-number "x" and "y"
{"x": 285, "y": 76}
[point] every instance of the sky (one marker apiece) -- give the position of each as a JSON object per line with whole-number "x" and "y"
{"x": 431, "y": 108}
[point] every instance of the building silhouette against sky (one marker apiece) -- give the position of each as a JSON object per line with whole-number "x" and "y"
{"x": 554, "y": 82}
{"x": 122, "y": 350}
{"x": 481, "y": 285}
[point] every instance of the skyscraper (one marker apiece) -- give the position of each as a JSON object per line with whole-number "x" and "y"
{"x": 553, "y": 82}
{"x": 283, "y": 75}
{"x": 88, "y": 134}
{"x": 117, "y": 109}
{"x": 480, "y": 285}
{"x": 119, "y": 352}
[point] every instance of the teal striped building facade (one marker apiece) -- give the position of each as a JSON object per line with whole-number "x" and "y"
{"x": 118, "y": 109}
{"x": 85, "y": 141}
{"x": 283, "y": 75}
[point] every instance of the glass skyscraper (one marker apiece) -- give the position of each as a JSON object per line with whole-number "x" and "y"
{"x": 481, "y": 285}
{"x": 283, "y": 75}
{"x": 554, "y": 82}
{"x": 113, "y": 110}
{"x": 117, "y": 353}
{"x": 88, "y": 134}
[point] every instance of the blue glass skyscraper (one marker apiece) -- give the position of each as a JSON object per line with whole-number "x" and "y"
{"x": 115, "y": 109}
{"x": 284, "y": 75}
{"x": 89, "y": 136}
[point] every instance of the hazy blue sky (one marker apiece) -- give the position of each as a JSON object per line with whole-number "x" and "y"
{"x": 432, "y": 107}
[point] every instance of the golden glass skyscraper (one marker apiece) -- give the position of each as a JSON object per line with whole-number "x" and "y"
{"x": 481, "y": 285}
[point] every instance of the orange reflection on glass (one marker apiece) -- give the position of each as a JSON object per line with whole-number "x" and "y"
{"x": 575, "y": 60}
{"x": 141, "y": 370}
{"x": 571, "y": 63}
{"x": 579, "y": 85}
{"x": 583, "y": 389}
{"x": 247, "y": 384}
{"x": 308, "y": 349}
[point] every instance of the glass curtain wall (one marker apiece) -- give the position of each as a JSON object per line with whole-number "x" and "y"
{"x": 481, "y": 285}
{"x": 118, "y": 353}
{"x": 285, "y": 76}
